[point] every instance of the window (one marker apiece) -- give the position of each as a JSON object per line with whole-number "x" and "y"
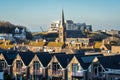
{"x": 2, "y": 64}
{"x": 19, "y": 64}
{"x": 75, "y": 67}
{"x": 95, "y": 70}
{"x": 36, "y": 65}
{"x": 55, "y": 66}
{"x": 100, "y": 69}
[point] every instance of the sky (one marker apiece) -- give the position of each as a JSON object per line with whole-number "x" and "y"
{"x": 101, "y": 14}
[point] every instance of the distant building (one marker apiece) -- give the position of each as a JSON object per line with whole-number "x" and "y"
{"x": 54, "y": 26}
{"x": 114, "y": 32}
{"x": 115, "y": 49}
{"x": 19, "y": 33}
{"x": 73, "y": 38}
{"x": 70, "y": 25}
{"x": 6, "y": 37}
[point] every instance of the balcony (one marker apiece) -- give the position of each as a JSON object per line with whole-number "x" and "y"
{"x": 78, "y": 74}
{"x": 20, "y": 71}
{"x": 37, "y": 72}
{"x": 99, "y": 75}
{"x": 57, "y": 73}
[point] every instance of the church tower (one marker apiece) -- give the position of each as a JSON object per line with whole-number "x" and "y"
{"x": 62, "y": 29}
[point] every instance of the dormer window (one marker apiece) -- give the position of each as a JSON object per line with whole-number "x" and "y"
{"x": 75, "y": 67}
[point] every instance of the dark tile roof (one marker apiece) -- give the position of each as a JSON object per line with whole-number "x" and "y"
{"x": 57, "y": 53}
{"x": 112, "y": 62}
{"x": 10, "y": 57}
{"x": 74, "y": 34}
{"x": 2, "y": 50}
{"x": 26, "y": 57}
{"x": 64, "y": 59}
{"x": 85, "y": 61}
{"x": 44, "y": 58}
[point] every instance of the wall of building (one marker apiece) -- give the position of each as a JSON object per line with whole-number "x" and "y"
{"x": 115, "y": 49}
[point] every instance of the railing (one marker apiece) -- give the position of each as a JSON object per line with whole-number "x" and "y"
{"x": 57, "y": 73}
{"x": 37, "y": 72}
{"x": 78, "y": 74}
{"x": 99, "y": 75}
{"x": 20, "y": 70}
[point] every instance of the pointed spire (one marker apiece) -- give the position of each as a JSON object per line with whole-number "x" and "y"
{"x": 62, "y": 18}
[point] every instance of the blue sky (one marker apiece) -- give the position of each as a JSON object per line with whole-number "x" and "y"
{"x": 102, "y": 14}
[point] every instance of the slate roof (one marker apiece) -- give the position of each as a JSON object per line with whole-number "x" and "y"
{"x": 44, "y": 58}
{"x": 85, "y": 61}
{"x": 83, "y": 51}
{"x": 112, "y": 62}
{"x": 26, "y": 57}
{"x": 10, "y": 57}
{"x": 64, "y": 59}
{"x": 74, "y": 34}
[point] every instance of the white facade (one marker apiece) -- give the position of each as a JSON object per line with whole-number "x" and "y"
{"x": 54, "y": 26}
{"x": 21, "y": 34}
{"x": 6, "y": 36}
{"x": 70, "y": 25}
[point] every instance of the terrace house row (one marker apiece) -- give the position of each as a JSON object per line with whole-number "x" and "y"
{"x": 59, "y": 66}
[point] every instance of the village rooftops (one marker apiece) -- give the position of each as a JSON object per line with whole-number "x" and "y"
{"x": 37, "y": 43}
{"x": 55, "y": 44}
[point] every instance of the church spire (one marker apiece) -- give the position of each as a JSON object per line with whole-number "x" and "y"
{"x": 62, "y": 19}
{"x": 62, "y": 22}
{"x": 62, "y": 29}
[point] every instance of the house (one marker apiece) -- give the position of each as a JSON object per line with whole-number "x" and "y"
{"x": 105, "y": 48}
{"x": 6, "y": 60}
{"x": 36, "y": 46}
{"x": 20, "y": 65}
{"x": 112, "y": 40}
{"x": 115, "y": 49}
{"x": 6, "y": 44}
{"x": 39, "y": 66}
{"x": 75, "y": 70}
{"x": 80, "y": 67}
{"x": 5, "y": 36}
{"x": 3, "y": 63}
{"x": 54, "y": 47}
{"x": 19, "y": 33}
{"x": 58, "y": 66}
{"x": 106, "y": 67}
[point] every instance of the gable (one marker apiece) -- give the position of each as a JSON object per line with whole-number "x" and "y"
{"x": 56, "y": 60}
{"x": 18, "y": 58}
{"x": 74, "y": 61}
{"x": 35, "y": 58}
{"x": 3, "y": 58}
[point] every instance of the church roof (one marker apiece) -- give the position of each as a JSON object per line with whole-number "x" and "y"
{"x": 74, "y": 34}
